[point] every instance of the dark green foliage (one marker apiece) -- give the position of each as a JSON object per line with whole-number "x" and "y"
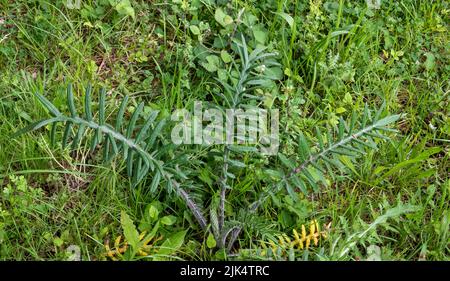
{"x": 137, "y": 144}
{"x": 351, "y": 139}
{"x": 136, "y": 150}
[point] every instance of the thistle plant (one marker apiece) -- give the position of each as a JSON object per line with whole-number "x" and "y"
{"x": 349, "y": 139}
{"x": 139, "y": 145}
{"x": 148, "y": 156}
{"x": 238, "y": 96}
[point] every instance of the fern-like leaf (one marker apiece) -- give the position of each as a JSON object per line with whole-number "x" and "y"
{"x": 138, "y": 160}
{"x": 351, "y": 140}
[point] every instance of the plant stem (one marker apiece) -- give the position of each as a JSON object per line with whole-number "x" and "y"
{"x": 223, "y": 188}
{"x": 191, "y": 204}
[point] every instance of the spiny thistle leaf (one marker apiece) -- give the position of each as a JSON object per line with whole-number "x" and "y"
{"x": 36, "y": 125}
{"x": 122, "y": 108}
{"x": 139, "y": 161}
{"x": 349, "y": 144}
{"x": 70, "y": 101}
{"x": 47, "y": 104}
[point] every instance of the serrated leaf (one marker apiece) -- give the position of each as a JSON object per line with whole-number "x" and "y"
{"x": 129, "y": 230}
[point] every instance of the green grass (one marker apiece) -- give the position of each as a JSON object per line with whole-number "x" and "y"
{"x": 335, "y": 57}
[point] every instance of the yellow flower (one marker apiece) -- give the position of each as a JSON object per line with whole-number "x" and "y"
{"x": 285, "y": 242}
{"x": 287, "y": 239}
{"x": 317, "y": 225}
{"x": 298, "y": 241}
{"x": 142, "y": 253}
{"x": 308, "y": 241}
{"x": 312, "y": 229}
{"x": 281, "y": 240}
{"x": 316, "y": 241}
{"x": 117, "y": 241}
{"x": 273, "y": 246}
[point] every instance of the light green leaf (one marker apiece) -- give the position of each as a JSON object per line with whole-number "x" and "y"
{"x": 393, "y": 212}
{"x": 339, "y": 32}
{"x": 194, "y": 29}
{"x": 153, "y": 212}
{"x": 340, "y": 110}
{"x": 124, "y": 8}
{"x": 387, "y": 120}
{"x": 129, "y": 230}
{"x": 210, "y": 241}
{"x": 287, "y": 18}
{"x": 168, "y": 220}
{"x": 225, "y": 56}
{"x": 421, "y": 157}
{"x": 222, "y": 74}
{"x": 212, "y": 63}
{"x": 430, "y": 61}
{"x": 222, "y": 18}
{"x": 227, "y": 20}
{"x": 58, "y": 242}
{"x": 242, "y": 148}
{"x": 260, "y": 35}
